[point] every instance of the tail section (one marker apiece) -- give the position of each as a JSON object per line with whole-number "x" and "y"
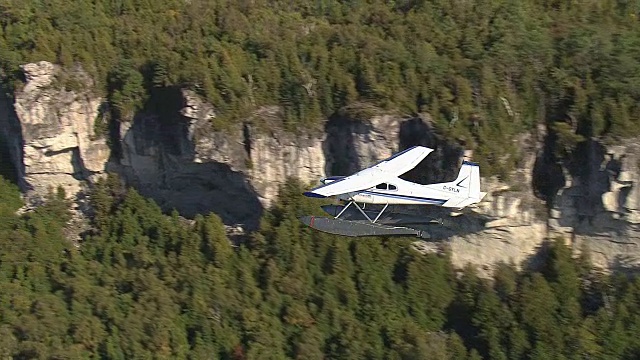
{"x": 469, "y": 177}
{"x": 466, "y": 186}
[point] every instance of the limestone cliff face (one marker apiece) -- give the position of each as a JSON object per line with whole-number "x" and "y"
{"x": 180, "y": 161}
{"x": 277, "y": 157}
{"x": 353, "y": 144}
{"x": 171, "y": 153}
{"x": 50, "y": 131}
{"x": 515, "y": 227}
{"x": 267, "y": 156}
{"x": 599, "y": 206}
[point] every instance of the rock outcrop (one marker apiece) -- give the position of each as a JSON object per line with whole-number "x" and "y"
{"x": 599, "y": 204}
{"x": 354, "y": 143}
{"x": 50, "y": 130}
{"x": 179, "y": 159}
{"x": 276, "y": 156}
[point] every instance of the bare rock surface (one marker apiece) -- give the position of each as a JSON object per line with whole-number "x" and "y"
{"x": 50, "y": 131}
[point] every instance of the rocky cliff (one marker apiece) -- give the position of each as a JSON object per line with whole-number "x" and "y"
{"x": 170, "y": 152}
{"x": 178, "y": 159}
{"x": 50, "y": 130}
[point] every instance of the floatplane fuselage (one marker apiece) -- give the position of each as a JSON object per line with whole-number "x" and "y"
{"x": 463, "y": 191}
{"x": 380, "y": 184}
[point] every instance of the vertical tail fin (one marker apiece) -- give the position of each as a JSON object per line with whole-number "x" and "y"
{"x": 474, "y": 179}
{"x": 465, "y": 189}
{"x": 469, "y": 180}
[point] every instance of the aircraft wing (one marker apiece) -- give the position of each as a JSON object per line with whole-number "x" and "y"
{"x": 384, "y": 171}
{"x": 403, "y": 161}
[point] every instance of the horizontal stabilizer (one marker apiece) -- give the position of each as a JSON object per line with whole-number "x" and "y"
{"x": 458, "y": 203}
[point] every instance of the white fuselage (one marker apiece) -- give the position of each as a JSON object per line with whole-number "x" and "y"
{"x": 403, "y": 192}
{"x": 380, "y": 184}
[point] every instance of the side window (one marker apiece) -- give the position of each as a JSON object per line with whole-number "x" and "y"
{"x": 382, "y": 186}
{"x": 392, "y": 187}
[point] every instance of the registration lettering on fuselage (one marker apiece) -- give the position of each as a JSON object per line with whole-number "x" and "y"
{"x": 450, "y": 188}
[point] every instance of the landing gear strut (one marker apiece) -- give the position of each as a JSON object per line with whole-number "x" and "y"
{"x": 362, "y": 211}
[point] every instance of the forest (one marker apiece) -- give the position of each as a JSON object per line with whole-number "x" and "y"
{"x": 485, "y": 70}
{"x": 141, "y": 284}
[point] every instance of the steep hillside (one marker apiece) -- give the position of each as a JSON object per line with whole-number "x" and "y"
{"x": 173, "y": 154}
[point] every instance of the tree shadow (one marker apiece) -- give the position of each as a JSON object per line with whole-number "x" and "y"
{"x": 626, "y": 265}
{"x": 536, "y": 261}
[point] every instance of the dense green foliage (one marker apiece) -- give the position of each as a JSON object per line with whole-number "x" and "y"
{"x": 486, "y": 70}
{"x": 147, "y": 285}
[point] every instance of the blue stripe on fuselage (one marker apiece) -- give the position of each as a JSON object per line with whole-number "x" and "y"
{"x": 312, "y": 194}
{"x": 406, "y": 197}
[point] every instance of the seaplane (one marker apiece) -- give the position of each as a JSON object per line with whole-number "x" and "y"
{"x": 380, "y": 185}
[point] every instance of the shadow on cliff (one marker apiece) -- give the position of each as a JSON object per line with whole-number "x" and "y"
{"x": 592, "y": 174}
{"x": 156, "y": 155}
{"x": 339, "y": 148}
{"x": 442, "y": 164}
{"x": 7, "y": 169}
{"x": 11, "y": 143}
{"x": 343, "y": 157}
{"x": 466, "y": 223}
{"x": 620, "y": 264}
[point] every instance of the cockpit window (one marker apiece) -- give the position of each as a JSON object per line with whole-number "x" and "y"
{"x": 385, "y": 186}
